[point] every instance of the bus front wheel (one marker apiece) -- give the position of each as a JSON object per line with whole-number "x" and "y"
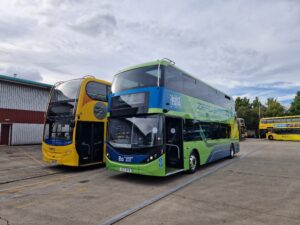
{"x": 193, "y": 162}
{"x": 270, "y": 137}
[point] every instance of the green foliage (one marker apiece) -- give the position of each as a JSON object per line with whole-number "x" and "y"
{"x": 295, "y": 105}
{"x": 251, "y": 112}
{"x": 245, "y": 110}
{"x": 242, "y": 102}
{"x": 274, "y": 108}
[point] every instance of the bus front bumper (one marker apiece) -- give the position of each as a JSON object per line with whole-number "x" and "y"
{"x": 60, "y": 155}
{"x": 154, "y": 168}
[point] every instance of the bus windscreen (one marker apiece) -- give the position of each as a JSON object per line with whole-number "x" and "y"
{"x": 135, "y": 78}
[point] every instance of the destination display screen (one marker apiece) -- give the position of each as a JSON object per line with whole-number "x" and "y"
{"x": 130, "y": 104}
{"x": 128, "y": 101}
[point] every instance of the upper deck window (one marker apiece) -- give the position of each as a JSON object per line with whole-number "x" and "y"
{"x": 66, "y": 91}
{"x": 97, "y": 91}
{"x": 135, "y": 78}
{"x": 181, "y": 82}
{"x": 173, "y": 79}
{"x": 64, "y": 98}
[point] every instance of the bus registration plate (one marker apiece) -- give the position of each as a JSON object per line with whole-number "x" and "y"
{"x": 126, "y": 170}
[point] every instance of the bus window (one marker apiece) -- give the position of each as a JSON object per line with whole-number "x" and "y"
{"x": 207, "y": 131}
{"x": 173, "y": 79}
{"x": 96, "y": 91}
{"x": 192, "y": 131}
{"x": 189, "y": 85}
{"x": 136, "y": 78}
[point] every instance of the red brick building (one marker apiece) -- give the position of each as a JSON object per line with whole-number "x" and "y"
{"x": 22, "y": 107}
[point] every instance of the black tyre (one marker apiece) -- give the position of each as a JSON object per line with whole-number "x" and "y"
{"x": 193, "y": 162}
{"x": 231, "y": 152}
{"x": 270, "y": 137}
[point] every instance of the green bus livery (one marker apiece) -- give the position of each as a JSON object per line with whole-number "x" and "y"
{"x": 163, "y": 121}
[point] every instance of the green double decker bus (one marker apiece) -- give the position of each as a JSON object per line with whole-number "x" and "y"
{"x": 163, "y": 121}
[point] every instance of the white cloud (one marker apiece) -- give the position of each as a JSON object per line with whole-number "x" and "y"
{"x": 26, "y": 73}
{"x": 236, "y": 46}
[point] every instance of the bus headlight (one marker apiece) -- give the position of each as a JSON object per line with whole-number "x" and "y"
{"x": 107, "y": 155}
{"x": 152, "y": 157}
{"x": 68, "y": 152}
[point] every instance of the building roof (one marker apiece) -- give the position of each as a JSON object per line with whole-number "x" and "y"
{"x": 24, "y": 82}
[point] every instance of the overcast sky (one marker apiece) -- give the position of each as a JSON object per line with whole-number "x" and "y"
{"x": 245, "y": 48}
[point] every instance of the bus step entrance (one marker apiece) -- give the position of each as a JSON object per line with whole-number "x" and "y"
{"x": 171, "y": 171}
{"x": 173, "y": 156}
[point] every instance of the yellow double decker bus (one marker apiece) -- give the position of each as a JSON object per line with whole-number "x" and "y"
{"x": 286, "y": 128}
{"x": 75, "y": 123}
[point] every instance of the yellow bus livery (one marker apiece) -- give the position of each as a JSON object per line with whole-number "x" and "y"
{"x": 76, "y": 122}
{"x": 286, "y": 128}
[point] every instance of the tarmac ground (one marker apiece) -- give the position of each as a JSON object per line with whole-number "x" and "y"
{"x": 261, "y": 185}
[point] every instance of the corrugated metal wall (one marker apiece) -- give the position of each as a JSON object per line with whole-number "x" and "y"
{"x": 14, "y": 99}
{"x": 13, "y": 96}
{"x": 26, "y": 133}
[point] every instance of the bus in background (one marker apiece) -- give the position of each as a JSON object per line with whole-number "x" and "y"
{"x": 286, "y": 128}
{"x": 242, "y": 128}
{"x": 163, "y": 121}
{"x": 75, "y": 123}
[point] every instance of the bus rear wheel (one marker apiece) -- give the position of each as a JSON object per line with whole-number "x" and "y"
{"x": 270, "y": 137}
{"x": 193, "y": 162}
{"x": 231, "y": 152}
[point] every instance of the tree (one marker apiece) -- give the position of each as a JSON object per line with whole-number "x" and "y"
{"x": 274, "y": 108}
{"x": 242, "y": 102}
{"x": 244, "y": 109}
{"x": 295, "y": 105}
{"x": 250, "y": 111}
{"x": 258, "y": 106}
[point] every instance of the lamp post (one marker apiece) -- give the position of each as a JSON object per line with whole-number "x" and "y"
{"x": 258, "y": 119}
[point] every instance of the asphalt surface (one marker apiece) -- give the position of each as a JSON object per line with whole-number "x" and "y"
{"x": 261, "y": 185}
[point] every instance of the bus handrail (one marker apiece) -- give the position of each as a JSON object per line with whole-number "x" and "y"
{"x": 178, "y": 150}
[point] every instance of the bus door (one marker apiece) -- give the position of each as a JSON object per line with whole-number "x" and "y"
{"x": 90, "y": 142}
{"x": 174, "y": 142}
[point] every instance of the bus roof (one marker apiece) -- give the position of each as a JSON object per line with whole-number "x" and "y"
{"x": 86, "y": 77}
{"x": 102, "y": 81}
{"x": 169, "y": 63}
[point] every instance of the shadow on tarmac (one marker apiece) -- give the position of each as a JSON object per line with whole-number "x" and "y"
{"x": 149, "y": 180}
{"x": 70, "y": 169}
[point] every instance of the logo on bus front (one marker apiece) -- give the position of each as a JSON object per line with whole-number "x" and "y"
{"x": 160, "y": 162}
{"x": 125, "y": 159}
